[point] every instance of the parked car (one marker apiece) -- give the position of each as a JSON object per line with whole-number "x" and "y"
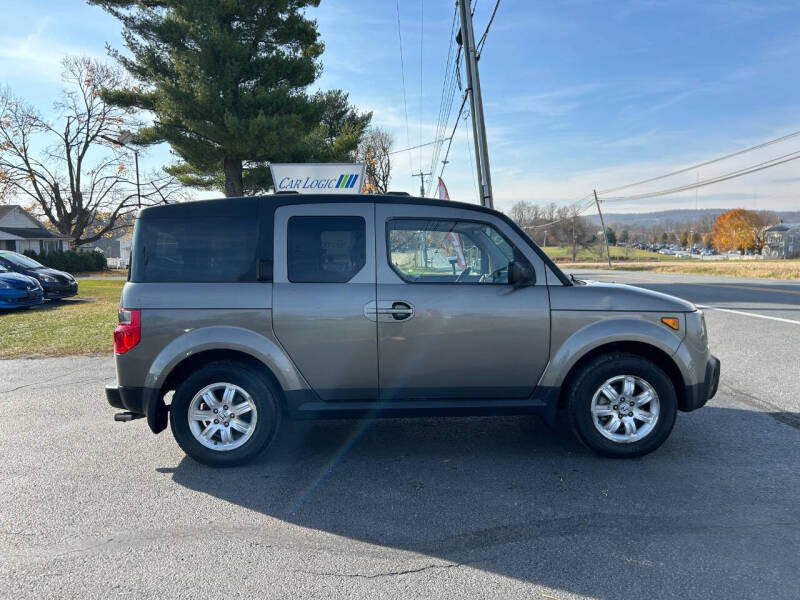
{"x": 17, "y": 291}
{"x": 56, "y": 284}
{"x": 257, "y": 309}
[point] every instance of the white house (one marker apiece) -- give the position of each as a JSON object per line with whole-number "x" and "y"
{"x": 19, "y": 231}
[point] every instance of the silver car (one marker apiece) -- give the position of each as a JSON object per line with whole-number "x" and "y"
{"x": 295, "y": 306}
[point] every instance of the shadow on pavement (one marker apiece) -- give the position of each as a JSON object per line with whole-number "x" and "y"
{"x": 712, "y": 514}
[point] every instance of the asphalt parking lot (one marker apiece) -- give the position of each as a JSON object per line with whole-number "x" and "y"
{"x": 414, "y": 508}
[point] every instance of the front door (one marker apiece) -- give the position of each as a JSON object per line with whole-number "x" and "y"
{"x": 324, "y": 280}
{"x": 449, "y": 323}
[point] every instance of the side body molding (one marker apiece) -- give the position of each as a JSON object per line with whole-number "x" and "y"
{"x": 577, "y": 333}
{"x": 266, "y": 350}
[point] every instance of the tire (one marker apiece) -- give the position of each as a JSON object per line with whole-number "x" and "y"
{"x": 588, "y": 405}
{"x": 227, "y": 445}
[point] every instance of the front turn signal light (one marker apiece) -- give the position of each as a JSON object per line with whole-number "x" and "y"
{"x": 671, "y": 322}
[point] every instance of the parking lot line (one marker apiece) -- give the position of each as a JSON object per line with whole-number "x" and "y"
{"x": 748, "y": 314}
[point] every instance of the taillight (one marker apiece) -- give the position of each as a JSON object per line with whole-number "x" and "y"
{"x": 129, "y": 331}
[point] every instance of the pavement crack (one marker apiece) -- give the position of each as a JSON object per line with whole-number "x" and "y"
{"x": 379, "y": 575}
{"x": 46, "y": 383}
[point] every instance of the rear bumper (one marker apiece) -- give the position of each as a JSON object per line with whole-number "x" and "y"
{"x": 697, "y": 395}
{"x": 140, "y": 401}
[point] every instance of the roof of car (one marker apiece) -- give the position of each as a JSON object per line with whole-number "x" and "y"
{"x": 209, "y": 207}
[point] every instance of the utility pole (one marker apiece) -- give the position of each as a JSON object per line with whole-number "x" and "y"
{"x": 603, "y": 224}
{"x": 422, "y": 177}
{"x": 125, "y": 138}
{"x": 466, "y": 37}
{"x": 138, "y": 188}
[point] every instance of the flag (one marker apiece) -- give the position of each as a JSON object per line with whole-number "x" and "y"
{"x": 454, "y": 237}
{"x": 442, "y": 189}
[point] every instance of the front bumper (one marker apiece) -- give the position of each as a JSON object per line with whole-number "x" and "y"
{"x": 19, "y": 298}
{"x": 697, "y": 395}
{"x": 54, "y": 291}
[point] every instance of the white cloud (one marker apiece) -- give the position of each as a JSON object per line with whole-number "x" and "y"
{"x": 35, "y": 56}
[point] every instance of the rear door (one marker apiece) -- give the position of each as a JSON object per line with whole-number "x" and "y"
{"x": 449, "y": 324}
{"x": 324, "y": 280}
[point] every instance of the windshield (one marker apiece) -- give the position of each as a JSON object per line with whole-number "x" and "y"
{"x": 20, "y": 260}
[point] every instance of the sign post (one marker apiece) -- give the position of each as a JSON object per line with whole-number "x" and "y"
{"x": 318, "y": 178}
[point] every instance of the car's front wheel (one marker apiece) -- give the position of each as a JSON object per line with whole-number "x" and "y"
{"x": 622, "y": 405}
{"x": 225, "y": 414}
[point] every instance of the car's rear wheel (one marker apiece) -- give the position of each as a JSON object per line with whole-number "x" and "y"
{"x": 225, "y": 414}
{"x": 622, "y": 405}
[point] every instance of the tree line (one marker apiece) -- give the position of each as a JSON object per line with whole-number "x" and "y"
{"x": 550, "y": 224}
{"x": 226, "y": 84}
{"x": 553, "y": 225}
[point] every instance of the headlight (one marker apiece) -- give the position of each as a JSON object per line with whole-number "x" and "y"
{"x": 47, "y": 278}
{"x": 4, "y": 285}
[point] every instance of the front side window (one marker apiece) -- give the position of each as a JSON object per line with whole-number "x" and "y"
{"x": 325, "y": 249}
{"x": 449, "y": 251}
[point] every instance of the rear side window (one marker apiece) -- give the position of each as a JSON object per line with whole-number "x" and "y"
{"x": 325, "y": 249}
{"x": 221, "y": 249}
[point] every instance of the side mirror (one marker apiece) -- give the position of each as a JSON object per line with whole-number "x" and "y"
{"x": 520, "y": 274}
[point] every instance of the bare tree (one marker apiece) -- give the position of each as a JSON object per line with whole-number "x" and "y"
{"x": 525, "y": 213}
{"x": 375, "y": 150}
{"x": 70, "y": 169}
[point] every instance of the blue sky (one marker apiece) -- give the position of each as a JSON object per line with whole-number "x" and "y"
{"x": 577, "y": 94}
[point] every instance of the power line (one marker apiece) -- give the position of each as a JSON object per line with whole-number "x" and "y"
{"x": 403, "y": 73}
{"x": 472, "y": 166}
{"x": 482, "y": 41}
{"x": 421, "y": 42}
{"x": 455, "y": 126}
{"x": 447, "y": 95}
{"x": 579, "y": 210}
{"x": 732, "y": 175}
{"x": 418, "y": 146}
{"x": 703, "y": 164}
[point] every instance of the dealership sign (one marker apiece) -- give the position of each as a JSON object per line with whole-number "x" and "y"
{"x": 318, "y": 178}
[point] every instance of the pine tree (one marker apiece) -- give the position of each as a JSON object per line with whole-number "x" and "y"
{"x": 226, "y": 81}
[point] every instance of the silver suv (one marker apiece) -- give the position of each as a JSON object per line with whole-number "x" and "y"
{"x": 257, "y": 309}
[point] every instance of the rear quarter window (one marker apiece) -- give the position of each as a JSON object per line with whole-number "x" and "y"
{"x": 219, "y": 249}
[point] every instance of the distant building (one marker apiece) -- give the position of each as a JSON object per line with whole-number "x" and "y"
{"x": 782, "y": 241}
{"x": 116, "y": 249}
{"x": 19, "y": 231}
{"x": 116, "y": 246}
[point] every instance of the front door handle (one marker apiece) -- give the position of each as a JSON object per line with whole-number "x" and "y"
{"x": 399, "y": 311}
{"x": 387, "y": 311}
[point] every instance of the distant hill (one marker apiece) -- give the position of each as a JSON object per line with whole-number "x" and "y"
{"x": 664, "y": 218}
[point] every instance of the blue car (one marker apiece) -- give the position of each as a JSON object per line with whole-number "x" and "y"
{"x": 56, "y": 284}
{"x": 17, "y": 290}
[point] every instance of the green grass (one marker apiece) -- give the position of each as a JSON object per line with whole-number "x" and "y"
{"x": 80, "y": 325}
{"x": 763, "y": 269}
{"x": 598, "y": 254}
